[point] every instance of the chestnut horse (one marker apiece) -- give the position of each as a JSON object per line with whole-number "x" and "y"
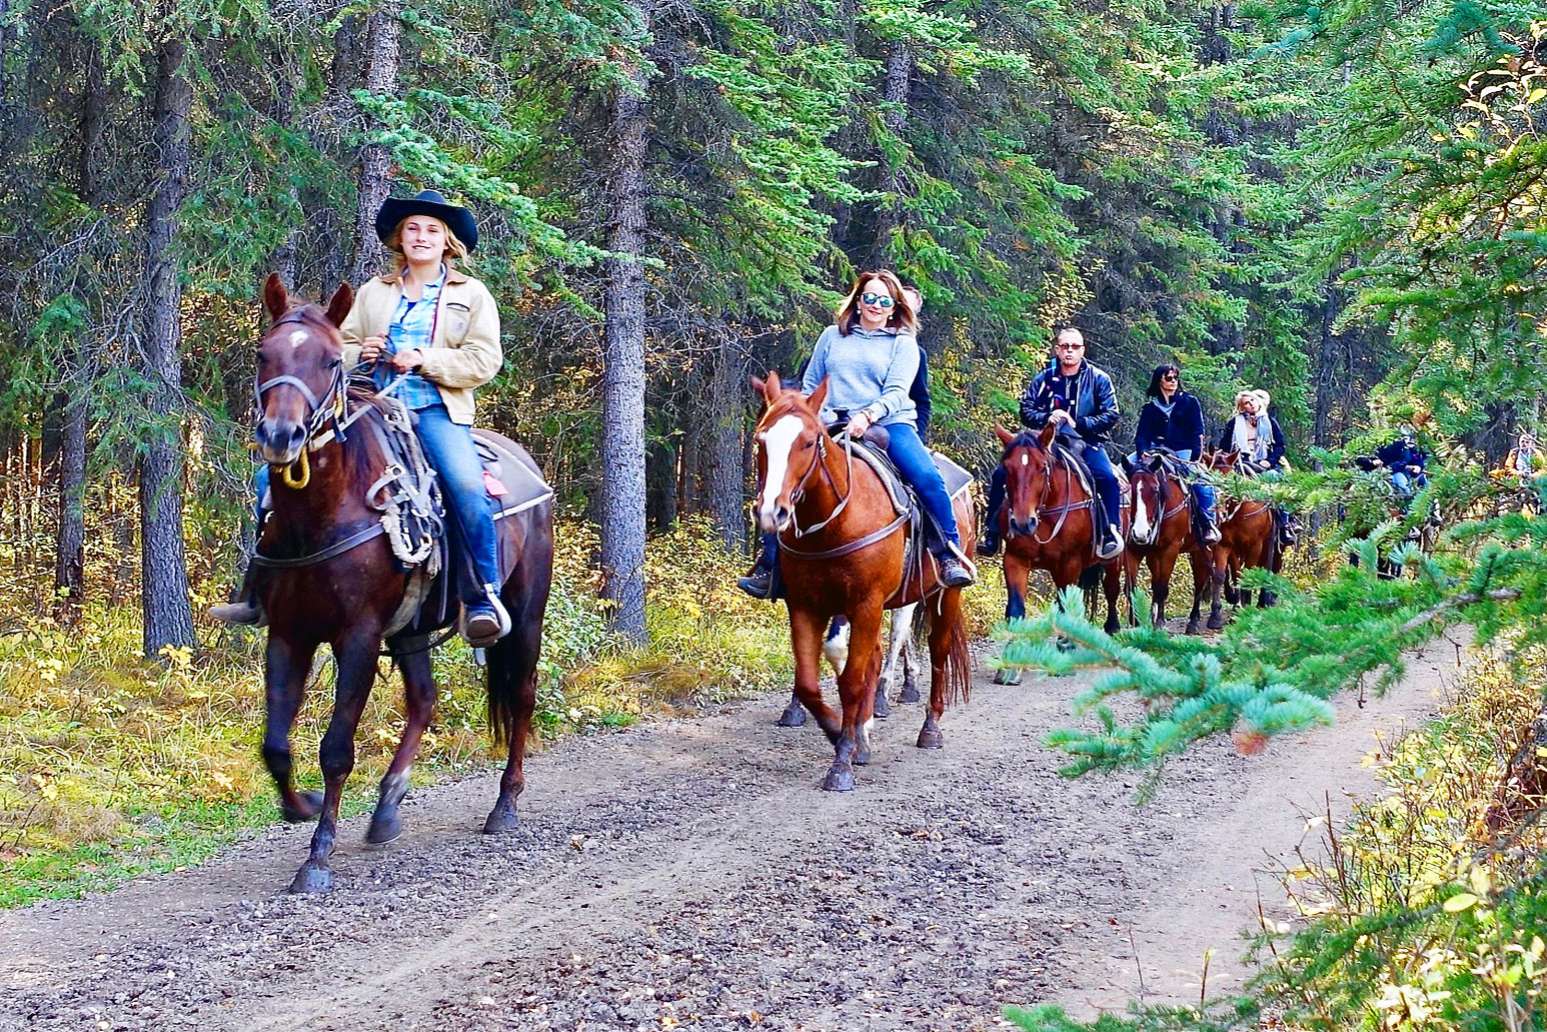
{"x": 1042, "y": 487}
{"x": 1248, "y": 537}
{"x": 843, "y": 551}
{"x": 331, "y": 577}
{"x": 1160, "y": 530}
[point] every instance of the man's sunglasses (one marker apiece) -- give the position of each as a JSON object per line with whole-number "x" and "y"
{"x": 879, "y": 300}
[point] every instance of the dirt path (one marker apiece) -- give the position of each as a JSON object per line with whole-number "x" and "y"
{"x": 689, "y": 873}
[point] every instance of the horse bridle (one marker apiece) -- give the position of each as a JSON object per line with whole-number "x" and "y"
{"x": 798, "y": 492}
{"x": 332, "y": 408}
{"x": 1063, "y": 511}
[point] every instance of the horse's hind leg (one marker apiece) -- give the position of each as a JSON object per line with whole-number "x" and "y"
{"x": 513, "y": 698}
{"x": 1112, "y": 585}
{"x": 285, "y": 670}
{"x": 418, "y": 705}
{"x": 947, "y": 647}
{"x": 356, "y": 671}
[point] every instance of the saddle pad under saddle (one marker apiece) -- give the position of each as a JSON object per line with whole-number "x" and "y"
{"x": 956, "y": 478}
{"x": 511, "y": 478}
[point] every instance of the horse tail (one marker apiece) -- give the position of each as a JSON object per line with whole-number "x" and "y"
{"x": 958, "y": 682}
{"x": 505, "y": 672}
{"x": 1090, "y": 577}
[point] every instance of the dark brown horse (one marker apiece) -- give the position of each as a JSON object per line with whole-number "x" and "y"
{"x": 842, "y": 550}
{"x": 338, "y": 583}
{"x": 1160, "y": 530}
{"x": 1048, "y": 522}
{"x": 1248, "y": 537}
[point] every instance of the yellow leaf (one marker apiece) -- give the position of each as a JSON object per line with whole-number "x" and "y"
{"x": 1481, "y": 883}
{"x": 1459, "y": 902}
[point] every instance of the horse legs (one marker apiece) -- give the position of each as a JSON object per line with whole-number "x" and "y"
{"x": 806, "y": 640}
{"x": 1112, "y": 583}
{"x": 898, "y": 649}
{"x": 356, "y": 657}
{"x": 512, "y": 698}
{"x": 1161, "y": 564}
{"x": 1201, "y": 578}
{"x": 883, "y": 708}
{"x": 910, "y": 659}
{"x": 945, "y": 637}
{"x": 419, "y": 703}
{"x": 286, "y": 667}
{"x": 1017, "y": 575}
{"x": 1219, "y": 571}
{"x": 856, "y": 690}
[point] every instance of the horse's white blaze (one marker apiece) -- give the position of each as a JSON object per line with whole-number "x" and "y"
{"x": 777, "y": 441}
{"x": 1141, "y": 517}
{"x": 1025, "y": 459}
{"x": 297, "y": 338}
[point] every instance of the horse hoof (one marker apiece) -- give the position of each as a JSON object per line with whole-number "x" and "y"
{"x": 931, "y": 738}
{"x": 1008, "y": 675}
{"x": 1216, "y": 621}
{"x": 1065, "y": 645}
{"x": 794, "y": 715}
{"x": 1192, "y": 627}
{"x": 883, "y": 708}
{"x": 312, "y": 879}
{"x": 311, "y": 806}
{"x": 383, "y": 830}
{"x": 501, "y": 820}
{"x": 839, "y": 779}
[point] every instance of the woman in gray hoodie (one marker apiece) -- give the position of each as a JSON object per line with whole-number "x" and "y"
{"x": 869, "y": 358}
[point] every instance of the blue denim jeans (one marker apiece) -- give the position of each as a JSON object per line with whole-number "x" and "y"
{"x": 260, "y": 491}
{"x": 450, "y": 450}
{"x": 1105, "y": 476}
{"x": 1408, "y": 484}
{"x": 1203, "y": 496}
{"x": 918, "y": 468}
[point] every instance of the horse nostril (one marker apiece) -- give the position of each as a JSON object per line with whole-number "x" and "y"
{"x": 296, "y": 434}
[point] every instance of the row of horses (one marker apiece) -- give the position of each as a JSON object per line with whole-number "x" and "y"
{"x": 331, "y": 577}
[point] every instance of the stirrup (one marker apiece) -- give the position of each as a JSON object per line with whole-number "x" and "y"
{"x": 501, "y": 619}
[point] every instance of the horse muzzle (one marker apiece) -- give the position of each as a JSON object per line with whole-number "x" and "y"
{"x": 773, "y": 520}
{"x": 1022, "y": 526}
{"x": 279, "y": 440}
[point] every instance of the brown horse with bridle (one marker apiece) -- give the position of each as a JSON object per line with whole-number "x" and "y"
{"x": 1049, "y": 522}
{"x": 1248, "y": 537}
{"x": 1161, "y": 528}
{"x": 843, "y": 550}
{"x": 331, "y": 577}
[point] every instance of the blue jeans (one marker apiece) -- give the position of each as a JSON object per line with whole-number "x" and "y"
{"x": 918, "y": 469}
{"x": 1409, "y": 484}
{"x": 260, "y": 491}
{"x": 1203, "y": 496}
{"x": 1105, "y": 476}
{"x": 449, "y": 448}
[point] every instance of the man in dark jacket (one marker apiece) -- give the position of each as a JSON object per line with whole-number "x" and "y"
{"x": 1406, "y": 462}
{"x": 1078, "y": 399}
{"x": 919, "y": 392}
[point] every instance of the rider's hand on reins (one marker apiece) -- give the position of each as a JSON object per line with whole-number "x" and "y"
{"x": 858, "y": 424}
{"x": 372, "y": 349}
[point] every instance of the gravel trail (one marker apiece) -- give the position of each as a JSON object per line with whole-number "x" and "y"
{"x": 690, "y": 874}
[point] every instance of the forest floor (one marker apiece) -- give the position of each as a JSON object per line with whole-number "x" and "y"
{"x": 689, "y": 873}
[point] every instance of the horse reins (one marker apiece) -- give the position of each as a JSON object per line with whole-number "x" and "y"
{"x": 799, "y": 493}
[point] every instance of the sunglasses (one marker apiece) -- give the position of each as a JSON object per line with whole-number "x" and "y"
{"x": 1069, "y": 345}
{"x": 1169, "y": 376}
{"x": 879, "y": 300}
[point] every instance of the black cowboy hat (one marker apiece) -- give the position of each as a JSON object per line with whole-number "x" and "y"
{"x": 432, "y": 203}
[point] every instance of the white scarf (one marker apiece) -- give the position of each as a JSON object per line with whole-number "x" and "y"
{"x": 1255, "y": 450}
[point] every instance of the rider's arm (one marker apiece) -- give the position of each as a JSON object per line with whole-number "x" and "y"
{"x": 900, "y": 372}
{"x": 1276, "y": 445}
{"x": 478, "y": 358}
{"x": 1104, "y": 418}
{"x": 1144, "y": 435}
{"x": 919, "y": 392}
{"x": 1035, "y": 404}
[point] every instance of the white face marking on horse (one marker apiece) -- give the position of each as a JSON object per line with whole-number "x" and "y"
{"x": 1141, "y": 518}
{"x": 1025, "y": 459}
{"x": 777, "y": 441}
{"x": 297, "y": 338}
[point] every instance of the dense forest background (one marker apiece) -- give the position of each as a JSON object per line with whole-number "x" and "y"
{"x": 1340, "y": 203}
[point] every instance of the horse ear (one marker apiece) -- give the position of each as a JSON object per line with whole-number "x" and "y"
{"x": 1156, "y": 463}
{"x": 756, "y": 382}
{"x": 1005, "y": 436}
{"x": 1045, "y": 438}
{"x": 343, "y": 301}
{"x": 1229, "y": 458}
{"x": 816, "y": 397}
{"x": 275, "y": 298}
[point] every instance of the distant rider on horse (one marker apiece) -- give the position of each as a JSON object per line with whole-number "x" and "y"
{"x": 1077, "y": 398}
{"x": 439, "y": 330}
{"x": 1255, "y": 436}
{"x": 1171, "y": 422}
{"x": 870, "y": 358}
{"x": 1406, "y": 462}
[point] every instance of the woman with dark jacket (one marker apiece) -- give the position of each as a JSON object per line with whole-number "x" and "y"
{"x": 1172, "y": 421}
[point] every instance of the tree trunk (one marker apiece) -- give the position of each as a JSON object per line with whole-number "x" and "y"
{"x": 164, "y": 587}
{"x": 93, "y": 125}
{"x": 329, "y": 249}
{"x": 70, "y": 537}
{"x": 383, "y": 36}
{"x": 726, "y": 470}
{"x": 623, "y": 378}
{"x": 283, "y": 258}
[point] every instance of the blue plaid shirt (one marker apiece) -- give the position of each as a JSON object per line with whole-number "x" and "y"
{"x": 412, "y": 326}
